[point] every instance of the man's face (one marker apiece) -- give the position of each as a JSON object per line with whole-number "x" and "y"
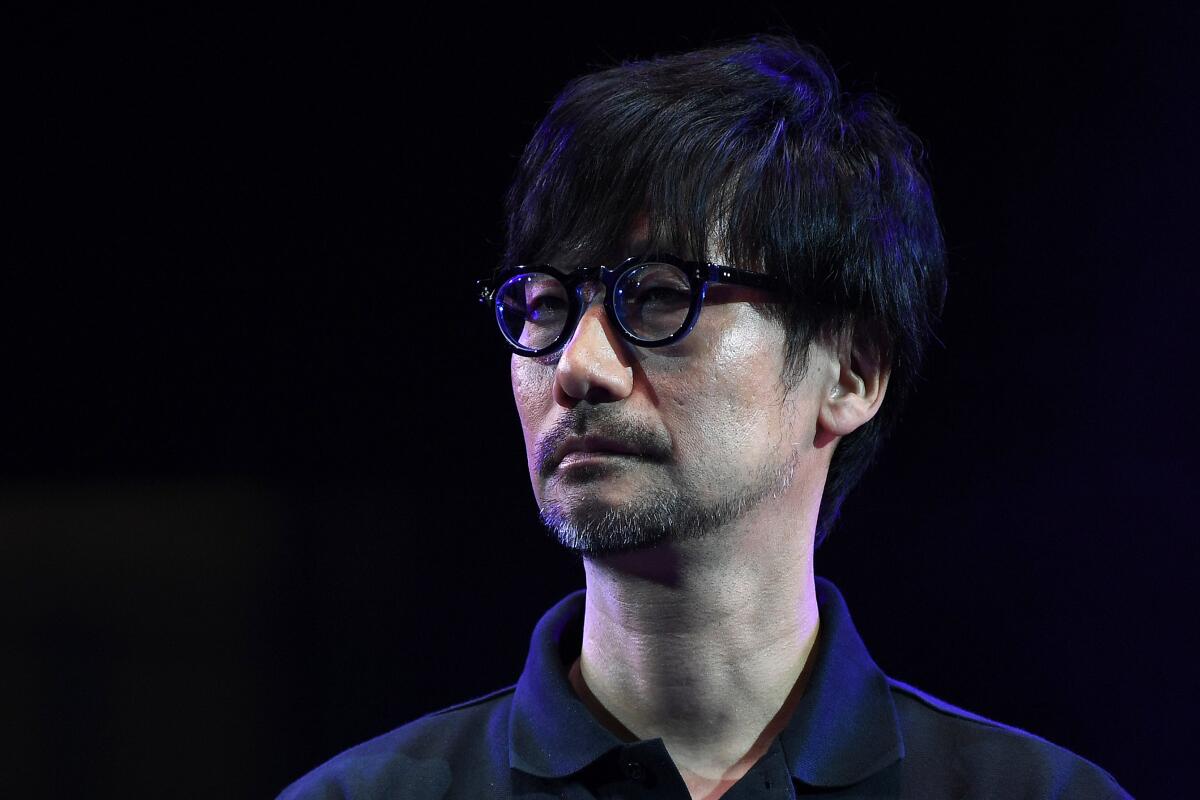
{"x": 629, "y": 447}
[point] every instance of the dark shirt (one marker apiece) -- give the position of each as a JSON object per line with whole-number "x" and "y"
{"x": 854, "y": 733}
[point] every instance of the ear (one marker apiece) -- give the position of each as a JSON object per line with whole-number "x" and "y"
{"x": 856, "y": 388}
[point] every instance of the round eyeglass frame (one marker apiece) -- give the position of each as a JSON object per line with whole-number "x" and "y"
{"x": 700, "y": 275}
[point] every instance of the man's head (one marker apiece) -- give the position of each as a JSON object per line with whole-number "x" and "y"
{"x": 748, "y": 155}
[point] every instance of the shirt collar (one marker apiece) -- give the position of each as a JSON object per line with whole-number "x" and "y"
{"x": 551, "y": 732}
{"x": 844, "y": 729}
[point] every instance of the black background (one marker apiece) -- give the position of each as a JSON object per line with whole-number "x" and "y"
{"x": 263, "y": 487}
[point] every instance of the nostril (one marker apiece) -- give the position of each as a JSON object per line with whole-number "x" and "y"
{"x": 600, "y": 393}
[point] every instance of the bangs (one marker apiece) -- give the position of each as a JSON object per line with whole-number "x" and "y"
{"x": 591, "y": 179}
{"x": 593, "y": 208}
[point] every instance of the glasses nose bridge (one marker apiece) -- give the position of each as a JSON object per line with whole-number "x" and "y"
{"x": 591, "y": 286}
{"x": 589, "y": 291}
{"x": 588, "y": 283}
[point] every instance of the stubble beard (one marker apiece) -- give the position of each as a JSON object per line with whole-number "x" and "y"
{"x": 660, "y": 514}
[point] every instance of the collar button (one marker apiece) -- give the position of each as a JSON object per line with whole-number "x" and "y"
{"x": 634, "y": 770}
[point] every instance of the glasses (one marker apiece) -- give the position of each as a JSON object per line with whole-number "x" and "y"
{"x": 652, "y": 300}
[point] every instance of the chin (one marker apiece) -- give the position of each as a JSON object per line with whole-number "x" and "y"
{"x": 595, "y": 525}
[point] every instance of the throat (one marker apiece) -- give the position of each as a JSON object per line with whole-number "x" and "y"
{"x": 712, "y": 763}
{"x": 716, "y": 677}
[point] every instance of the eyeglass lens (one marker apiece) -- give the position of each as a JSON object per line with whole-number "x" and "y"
{"x": 532, "y": 309}
{"x": 652, "y": 302}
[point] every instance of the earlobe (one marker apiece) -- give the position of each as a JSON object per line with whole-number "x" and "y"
{"x": 857, "y": 387}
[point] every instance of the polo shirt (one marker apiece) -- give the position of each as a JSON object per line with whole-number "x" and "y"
{"x": 855, "y": 733}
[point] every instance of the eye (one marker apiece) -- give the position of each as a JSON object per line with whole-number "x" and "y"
{"x": 545, "y": 306}
{"x": 657, "y": 299}
{"x": 657, "y": 288}
{"x": 653, "y": 301}
{"x": 532, "y": 309}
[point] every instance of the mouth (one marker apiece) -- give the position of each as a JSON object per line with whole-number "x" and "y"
{"x": 591, "y": 449}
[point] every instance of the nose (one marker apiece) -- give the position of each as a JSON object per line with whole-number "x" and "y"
{"x": 595, "y": 365}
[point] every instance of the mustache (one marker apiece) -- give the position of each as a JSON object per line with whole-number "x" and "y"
{"x": 646, "y": 440}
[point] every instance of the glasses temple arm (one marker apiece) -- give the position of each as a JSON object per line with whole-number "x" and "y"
{"x": 741, "y": 277}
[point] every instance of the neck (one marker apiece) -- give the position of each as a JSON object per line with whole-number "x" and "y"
{"x": 703, "y": 644}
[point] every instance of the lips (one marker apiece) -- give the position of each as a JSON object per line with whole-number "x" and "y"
{"x": 590, "y": 445}
{"x": 597, "y": 434}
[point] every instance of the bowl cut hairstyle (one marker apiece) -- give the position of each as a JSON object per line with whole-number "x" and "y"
{"x": 752, "y": 154}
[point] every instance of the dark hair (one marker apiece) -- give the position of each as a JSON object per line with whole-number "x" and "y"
{"x": 823, "y": 188}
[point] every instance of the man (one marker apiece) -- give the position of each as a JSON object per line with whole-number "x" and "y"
{"x": 694, "y": 412}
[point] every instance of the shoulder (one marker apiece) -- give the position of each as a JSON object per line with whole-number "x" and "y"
{"x": 947, "y": 745}
{"x": 422, "y": 759}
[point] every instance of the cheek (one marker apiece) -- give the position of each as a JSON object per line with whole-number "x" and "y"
{"x": 531, "y": 385}
{"x": 747, "y": 364}
{"x": 735, "y": 395}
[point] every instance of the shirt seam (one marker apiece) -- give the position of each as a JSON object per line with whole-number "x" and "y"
{"x": 475, "y": 701}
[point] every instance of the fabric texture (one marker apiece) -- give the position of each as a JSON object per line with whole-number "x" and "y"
{"x": 854, "y": 734}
